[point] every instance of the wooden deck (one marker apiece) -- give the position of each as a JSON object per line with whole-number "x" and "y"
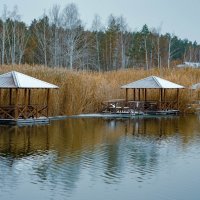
{"x": 121, "y": 106}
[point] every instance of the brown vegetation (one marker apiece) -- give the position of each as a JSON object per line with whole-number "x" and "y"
{"x": 83, "y": 92}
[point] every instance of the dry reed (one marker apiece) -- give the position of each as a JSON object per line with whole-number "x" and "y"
{"x": 83, "y": 92}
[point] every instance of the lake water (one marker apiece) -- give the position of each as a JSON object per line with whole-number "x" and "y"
{"x": 112, "y": 159}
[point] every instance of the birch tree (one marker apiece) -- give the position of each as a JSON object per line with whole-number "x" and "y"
{"x": 96, "y": 28}
{"x": 14, "y": 19}
{"x": 41, "y": 31}
{"x": 3, "y": 34}
{"x": 21, "y": 41}
{"x": 172, "y": 48}
{"x": 55, "y": 21}
{"x": 123, "y": 40}
{"x": 73, "y": 35}
{"x": 157, "y": 33}
{"x": 13, "y": 36}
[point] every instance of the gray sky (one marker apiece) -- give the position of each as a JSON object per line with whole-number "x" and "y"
{"x": 180, "y": 17}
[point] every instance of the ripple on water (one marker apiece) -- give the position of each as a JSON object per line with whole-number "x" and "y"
{"x": 67, "y": 163}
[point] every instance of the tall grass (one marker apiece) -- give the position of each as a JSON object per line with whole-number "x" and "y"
{"x": 83, "y": 92}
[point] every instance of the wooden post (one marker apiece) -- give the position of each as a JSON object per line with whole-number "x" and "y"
{"x": 25, "y": 96}
{"x": 164, "y": 95}
{"x": 145, "y": 94}
{"x": 48, "y": 98}
{"x": 126, "y": 94}
{"x": 16, "y": 104}
{"x": 162, "y": 104}
{"x": 160, "y": 94}
{"x": 10, "y": 96}
{"x": 139, "y": 94}
{"x": 177, "y": 99}
{"x": 134, "y": 94}
{"x": 25, "y": 103}
{"x": 29, "y": 96}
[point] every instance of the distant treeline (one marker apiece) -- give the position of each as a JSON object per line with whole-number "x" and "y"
{"x": 59, "y": 39}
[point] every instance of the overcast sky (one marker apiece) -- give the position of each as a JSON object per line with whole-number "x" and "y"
{"x": 180, "y": 17}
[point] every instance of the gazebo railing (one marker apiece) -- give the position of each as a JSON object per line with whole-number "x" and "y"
{"x": 23, "y": 111}
{"x": 123, "y": 106}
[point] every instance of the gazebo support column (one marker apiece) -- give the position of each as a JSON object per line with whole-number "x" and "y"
{"x": 29, "y": 97}
{"x": 48, "y": 100}
{"x": 16, "y": 104}
{"x": 29, "y": 103}
{"x": 25, "y": 103}
{"x": 178, "y": 99}
{"x": 126, "y": 95}
{"x": 10, "y": 96}
{"x": 145, "y": 94}
{"x": 164, "y": 95}
{"x": 134, "y": 94}
{"x": 139, "y": 94}
{"x": 160, "y": 100}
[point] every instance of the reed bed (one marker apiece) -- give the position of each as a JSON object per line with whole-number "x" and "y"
{"x": 83, "y": 92}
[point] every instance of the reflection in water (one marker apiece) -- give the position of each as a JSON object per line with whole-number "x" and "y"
{"x": 56, "y": 158}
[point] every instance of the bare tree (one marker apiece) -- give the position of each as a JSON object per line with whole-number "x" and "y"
{"x": 55, "y": 21}
{"x": 96, "y": 28}
{"x": 3, "y": 36}
{"x": 73, "y": 34}
{"x": 41, "y": 30}
{"x": 21, "y": 42}
{"x": 123, "y": 40}
{"x": 157, "y": 34}
{"x": 15, "y": 18}
{"x": 171, "y": 49}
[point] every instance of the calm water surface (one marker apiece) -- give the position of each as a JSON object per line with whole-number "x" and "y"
{"x": 86, "y": 159}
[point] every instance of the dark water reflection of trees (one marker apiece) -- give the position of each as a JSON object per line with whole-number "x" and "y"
{"x": 59, "y": 153}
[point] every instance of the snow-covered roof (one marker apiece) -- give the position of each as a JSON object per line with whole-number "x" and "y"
{"x": 195, "y": 86}
{"x": 190, "y": 64}
{"x": 153, "y": 82}
{"x": 15, "y": 79}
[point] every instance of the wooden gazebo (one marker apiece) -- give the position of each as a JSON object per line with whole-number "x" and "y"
{"x": 16, "y": 94}
{"x": 141, "y": 102}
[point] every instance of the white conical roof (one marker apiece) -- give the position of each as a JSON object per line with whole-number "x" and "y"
{"x": 15, "y": 79}
{"x": 153, "y": 82}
